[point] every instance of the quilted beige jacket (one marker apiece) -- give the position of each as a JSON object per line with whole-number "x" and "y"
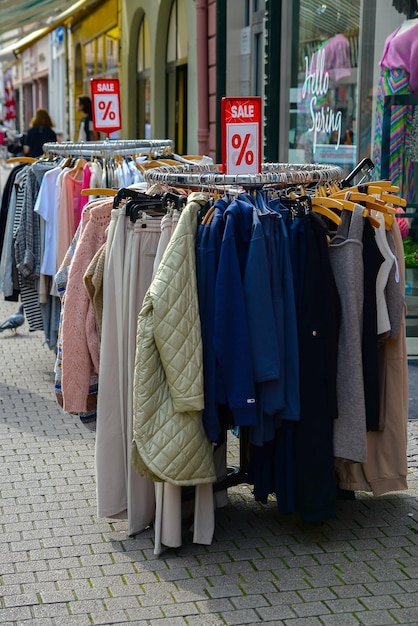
{"x": 169, "y": 441}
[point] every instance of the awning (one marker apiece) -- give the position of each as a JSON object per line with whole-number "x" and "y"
{"x": 44, "y": 15}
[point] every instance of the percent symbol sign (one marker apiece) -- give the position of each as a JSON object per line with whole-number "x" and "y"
{"x": 243, "y": 147}
{"x": 108, "y": 113}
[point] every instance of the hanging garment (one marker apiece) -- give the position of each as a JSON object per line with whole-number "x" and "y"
{"x": 93, "y": 282}
{"x": 168, "y": 498}
{"x": 28, "y": 252}
{"x": 80, "y": 350}
{"x": 69, "y": 210}
{"x": 87, "y": 418}
{"x": 386, "y": 467}
{"x": 271, "y": 465}
{"x": 45, "y": 206}
{"x": 5, "y": 198}
{"x": 372, "y": 261}
{"x": 9, "y": 283}
{"x": 346, "y": 256}
{"x": 130, "y": 252}
{"x": 208, "y": 245}
{"x": 318, "y": 327}
{"x": 231, "y": 337}
{"x": 169, "y": 439}
{"x": 383, "y": 320}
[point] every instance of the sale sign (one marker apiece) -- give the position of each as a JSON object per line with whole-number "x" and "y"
{"x": 241, "y": 135}
{"x": 105, "y": 94}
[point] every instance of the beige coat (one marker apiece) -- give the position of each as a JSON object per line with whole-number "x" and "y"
{"x": 169, "y": 441}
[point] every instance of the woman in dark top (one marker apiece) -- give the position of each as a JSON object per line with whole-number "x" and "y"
{"x": 86, "y": 131}
{"x": 40, "y": 132}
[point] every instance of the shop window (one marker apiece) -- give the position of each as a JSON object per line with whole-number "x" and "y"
{"x": 111, "y": 43}
{"x": 176, "y": 58}
{"x": 89, "y": 59}
{"x": 99, "y": 55}
{"x": 324, "y": 82}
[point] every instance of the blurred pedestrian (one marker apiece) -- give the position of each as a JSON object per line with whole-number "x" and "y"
{"x": 40, "y": 132}
{"x": 86, "y": 132}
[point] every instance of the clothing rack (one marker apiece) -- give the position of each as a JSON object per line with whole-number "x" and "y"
{"x": 109, "y": 147}
{"x": 275, "y": 174}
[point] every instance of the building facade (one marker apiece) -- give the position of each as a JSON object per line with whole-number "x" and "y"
{"x": 315, "y": 64}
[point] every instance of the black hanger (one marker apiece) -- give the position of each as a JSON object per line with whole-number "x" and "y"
{"x": 127, "y": 194}
{"x": 146, "y": 204}
{"x": 170, "y": 198}
{"x": 366, "y": 166}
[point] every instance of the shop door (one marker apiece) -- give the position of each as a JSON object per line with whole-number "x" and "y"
{"x": 177, "y": 107}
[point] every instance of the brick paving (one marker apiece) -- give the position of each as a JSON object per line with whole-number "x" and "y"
{"x": 61, "y": 565}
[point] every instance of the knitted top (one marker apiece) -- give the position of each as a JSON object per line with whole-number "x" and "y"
{"x": 80, "y": 343}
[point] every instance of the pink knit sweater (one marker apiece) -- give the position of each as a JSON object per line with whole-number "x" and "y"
{"x": 80, "y": 345}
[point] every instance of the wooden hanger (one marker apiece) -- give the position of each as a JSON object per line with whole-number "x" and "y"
{"x": 371, "y": 202}
{"x": 22, "y": 159}
{"x": 78, "y": 167}
{"x": 381, "y": 184}
{"x": 66, "y": 163}
{"x": 391, "y": 199}
{"x": 208, "y": 216}
{"x": 385, "y": 192}
{"x": 322, "y": 210}
{"x": 99, "y": 191}
{"x": 379, "y": 190}
{"x": 349, "y": 205}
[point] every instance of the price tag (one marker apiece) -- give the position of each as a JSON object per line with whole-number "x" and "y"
{"x": 106, "y": 104}
{"x": 241, "y": 135}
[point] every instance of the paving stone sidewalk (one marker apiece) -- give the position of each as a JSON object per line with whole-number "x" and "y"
{"x": 61, "y": 565}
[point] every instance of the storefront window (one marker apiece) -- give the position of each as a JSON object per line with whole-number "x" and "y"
{"x": 100, "y": 44}
{"x": 324, "y": 80}
{"x": 89, "y": 59}
{"x": 111, "y": 52}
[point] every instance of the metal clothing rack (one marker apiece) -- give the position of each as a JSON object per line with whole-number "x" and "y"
{"x": 108, "y": 148}
{"x": 279, "y": 175}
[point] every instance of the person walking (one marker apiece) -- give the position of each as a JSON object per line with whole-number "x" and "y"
{"x": 40, "y": 132}
{"x": 86, "y": 131}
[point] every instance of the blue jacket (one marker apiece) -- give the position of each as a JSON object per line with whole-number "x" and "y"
{"x": 231, "y": 333}
{"x": 208, "y": 246}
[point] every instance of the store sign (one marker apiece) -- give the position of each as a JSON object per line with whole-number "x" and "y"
{"x": 316, "y": 88}
{"x": 106, "y": 104}
{"x": 241, "y": 135}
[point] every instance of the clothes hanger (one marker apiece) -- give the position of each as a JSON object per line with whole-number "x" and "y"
{"x": 99, "y": 191}
{"x": 78, "y": 167}
{"x": 349, "y": 205}
{"x": 322, "y": 210}
{"x": 391, "y": 199}
{"x": 360, "y": 197}
{"x": 66, "y": 163}
{"x": 384, "y": 190}
{"x": 22, "y": 159}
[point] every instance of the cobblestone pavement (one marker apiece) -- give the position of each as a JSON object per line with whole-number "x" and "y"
{"x": 61, "y": 565}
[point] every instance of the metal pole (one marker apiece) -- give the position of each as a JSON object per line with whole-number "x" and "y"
{"x": 221, "y": 16}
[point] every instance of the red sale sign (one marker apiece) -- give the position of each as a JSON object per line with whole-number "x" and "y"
{"x": 105, "y": 94}
{"x": 241, "y": 135}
